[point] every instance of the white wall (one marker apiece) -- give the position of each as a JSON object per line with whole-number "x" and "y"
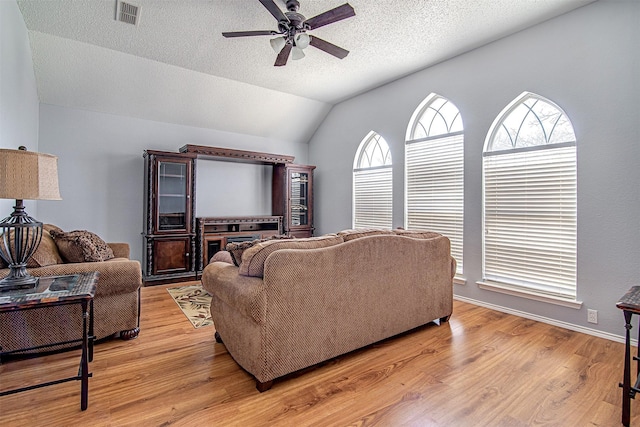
{"x": 18, "y": 95}
{"x": 101, "y": 168}
{"x": 586, "y": 61}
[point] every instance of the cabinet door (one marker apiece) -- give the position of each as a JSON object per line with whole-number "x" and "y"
{"x": 171, "y": 255}
{"x": 300, "y": 214}
{"x": 173, "y": 195}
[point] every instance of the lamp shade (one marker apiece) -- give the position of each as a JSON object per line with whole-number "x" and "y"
{"x": 277, "y": 44}
{"x": 303, "y": 40}
{"x": 27, "y": 175}
{"x": 297, "y": 53}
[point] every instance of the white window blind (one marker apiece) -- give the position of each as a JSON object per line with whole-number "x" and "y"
{"x": 373, "y": 198}
{"x": 435, "y": 188}
{"x": 530, "y": 219}
{"x": 530, "y": 200}
{"x": 372, "y": 184}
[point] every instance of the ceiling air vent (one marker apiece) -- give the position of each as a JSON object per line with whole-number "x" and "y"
{"x": 126, "y": 12}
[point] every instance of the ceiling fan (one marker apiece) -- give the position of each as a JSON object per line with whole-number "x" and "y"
{"x": 292, "y": 30}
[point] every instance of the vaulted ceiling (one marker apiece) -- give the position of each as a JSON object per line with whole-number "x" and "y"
{"x": 174, "y": 65}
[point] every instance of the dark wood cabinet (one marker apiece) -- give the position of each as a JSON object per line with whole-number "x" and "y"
{"x": 169, "y": 235}
{"x": 177, "y": 245}
{"x": 292, "y": 198}
{"x": 171, "y": 255}
{"x": 214, "y": 233}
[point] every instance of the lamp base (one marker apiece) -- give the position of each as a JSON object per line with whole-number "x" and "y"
{"x": 16, "y": 280}
{"x": 20, "y": 238}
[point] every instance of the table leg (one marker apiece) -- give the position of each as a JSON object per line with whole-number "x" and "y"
{"x": 626, "y": 382}
{"x": 84, "y": 364}
{"x": 92, "y": 336}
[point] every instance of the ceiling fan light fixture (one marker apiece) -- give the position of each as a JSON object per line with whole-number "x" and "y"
{"x": 297, "y": 53}
{"x": 302, "y": 40}
{"x": 277, "y": 44}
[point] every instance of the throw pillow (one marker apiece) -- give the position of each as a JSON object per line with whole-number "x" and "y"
{"x": 81, "y": 246}
{"x": 236, "y": 249}
{"x": 253, "y": 258}
{"x": 46, "y": 254}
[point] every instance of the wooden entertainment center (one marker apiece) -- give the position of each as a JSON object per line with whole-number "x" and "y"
{"x": 177, "y": 245}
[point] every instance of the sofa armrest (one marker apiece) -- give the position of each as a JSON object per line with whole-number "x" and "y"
{"x": 244, "y": 293}
{"x": 117, "y": 276}
{"x": 120, "y": 250}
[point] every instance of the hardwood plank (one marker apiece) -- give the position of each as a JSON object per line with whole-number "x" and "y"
{"x": 482, "y": 368}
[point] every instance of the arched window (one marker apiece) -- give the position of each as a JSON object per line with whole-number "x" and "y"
{"x": 530, "y": 208}
{"x": 372, "y": 184}
{"x": 434, "y": 160}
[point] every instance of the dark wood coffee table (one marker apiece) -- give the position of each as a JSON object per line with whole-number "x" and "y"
{"x": 58, "y": 291}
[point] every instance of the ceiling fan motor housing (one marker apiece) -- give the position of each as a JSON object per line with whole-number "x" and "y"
{"x": 293, "y": 5}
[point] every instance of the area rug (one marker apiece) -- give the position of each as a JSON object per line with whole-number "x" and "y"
{"x": 194, "y": 302}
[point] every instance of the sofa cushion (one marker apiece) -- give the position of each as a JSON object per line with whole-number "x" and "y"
{"x": 81, "y": 246}
{"x": 253, "y": 258}
{"x": 236, "y": 249}
{"x": 356, "y": 233}
{"x": 417, "y": 234}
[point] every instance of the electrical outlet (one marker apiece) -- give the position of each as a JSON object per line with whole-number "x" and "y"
{"x": 592, "y": 316}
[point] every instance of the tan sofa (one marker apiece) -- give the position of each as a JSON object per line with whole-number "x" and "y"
{"x": 313, "y": 304}
{"x": 116, "y": 303}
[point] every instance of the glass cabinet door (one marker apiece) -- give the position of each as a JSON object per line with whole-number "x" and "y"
{"x": 173, "y": 200}
{"x": 299, "y": 198}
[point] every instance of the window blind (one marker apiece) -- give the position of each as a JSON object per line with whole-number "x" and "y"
{"x": 435, "y": 188}
{"x": 373, "y": 198}
{"x": 530, "y": 212}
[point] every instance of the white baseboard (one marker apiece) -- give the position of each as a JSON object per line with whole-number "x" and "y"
{"x": 565, "y": 325}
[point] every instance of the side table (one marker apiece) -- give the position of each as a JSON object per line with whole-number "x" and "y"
{"x": 56, "y": 291}
{"x": 630, "y": 305}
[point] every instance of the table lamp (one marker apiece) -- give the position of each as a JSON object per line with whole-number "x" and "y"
{"x": 31, "y": 176}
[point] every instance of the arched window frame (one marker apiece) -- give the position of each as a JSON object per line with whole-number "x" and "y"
{"x": 372, "y": 184}
{"x": 434, "y": 172}
{"x": 530, "y": 203}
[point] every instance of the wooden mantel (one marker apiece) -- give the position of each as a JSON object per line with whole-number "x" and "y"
{"x": 242, "y": 155}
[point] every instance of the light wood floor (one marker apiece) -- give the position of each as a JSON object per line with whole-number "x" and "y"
{"x": 483, "y": 368}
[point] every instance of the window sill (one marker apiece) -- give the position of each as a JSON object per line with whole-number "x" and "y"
{"x": 518, "y": 292}
{"x": 459, "y": 280}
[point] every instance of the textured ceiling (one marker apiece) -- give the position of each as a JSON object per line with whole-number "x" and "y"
{"x": 175, "y": 66}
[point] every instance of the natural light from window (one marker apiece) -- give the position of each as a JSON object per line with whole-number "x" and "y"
{"x": 530, "y": 200}
{"x": 434, "y": 178}
{"x": 373, "y": 184}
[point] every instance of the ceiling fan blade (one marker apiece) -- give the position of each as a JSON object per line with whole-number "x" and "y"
{"x": 337, "y": 14}
{"x": 283, "y": 56}
{"x": 274, "y": 10}
{"x": 249, "y": 33}
{"x": 330, "y": 48}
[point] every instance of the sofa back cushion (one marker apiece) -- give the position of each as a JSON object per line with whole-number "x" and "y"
{"x": 417, "y": 234}
{"x": 356, "y": 233}
{"x": 253, "y": 258}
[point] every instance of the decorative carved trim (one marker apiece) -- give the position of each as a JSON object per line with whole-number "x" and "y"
{"x": 247, "y": 156}
{"x": 234, "y": 220}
